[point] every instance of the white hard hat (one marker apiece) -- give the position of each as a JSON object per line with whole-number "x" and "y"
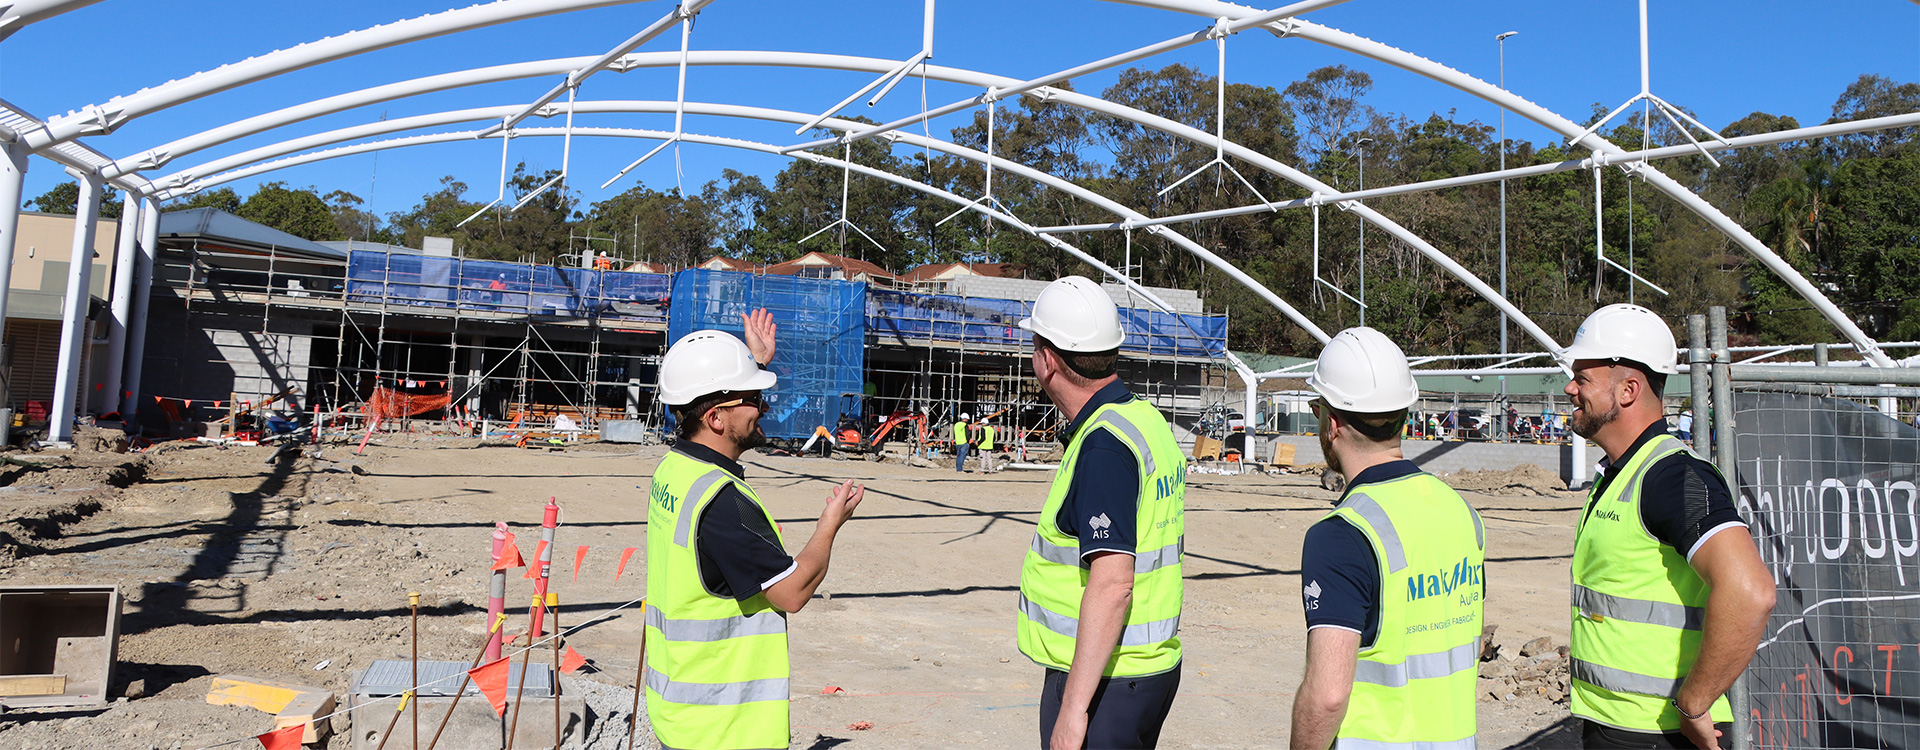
{"x": 706, "y": 362}
{"x": 965, "y": 416}
{"x": 1628, "y": 332}
{"x": 1363, "y": 371}
{"x": 1077, "y": 316}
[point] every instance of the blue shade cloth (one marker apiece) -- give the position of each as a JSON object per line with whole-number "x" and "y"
{"x": 512, "y": 288}
{"x": 822, "y": 340}
{"x": 997, "y": 321}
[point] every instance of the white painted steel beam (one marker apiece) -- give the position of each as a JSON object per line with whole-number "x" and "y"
{"x": 120, "y": 306}
{"x": 19, "y": 14}
{"x": 142, "y": 293}
{"x": 1547, "y": 118}
{"x": 13, "y": 174}
{"x": 74, "y": 327}
{"x": 682, "y": 14}
{"x": 105, "y": 117}
{"x": 216, "y": 172}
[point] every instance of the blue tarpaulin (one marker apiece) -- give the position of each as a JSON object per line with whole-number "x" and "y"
{"x": 997, "y": 321}
{"x": 822, "y": 342}
{"x": 546, "y": 291}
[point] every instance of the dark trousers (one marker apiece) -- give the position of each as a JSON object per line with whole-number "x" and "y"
{"x": 1126, "y": 712}
{"x": 1596, "y": 735}
{"x": 960, "y": 456}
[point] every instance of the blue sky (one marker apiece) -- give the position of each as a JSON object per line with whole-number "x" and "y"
{"x": 1718, "y": 58}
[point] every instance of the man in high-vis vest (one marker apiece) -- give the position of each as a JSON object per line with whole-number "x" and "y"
{"x": 1392, "y": 579}
{"x": 720, "y": 583}
{"x": 985, "y": 446}
{"x": 962, "y": 439}
{"x": 1100, "y": 588}
{"x": 1669, "y": 594}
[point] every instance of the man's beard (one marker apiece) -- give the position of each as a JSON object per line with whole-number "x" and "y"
{"x": 1326, "y": 450}
{"x": 1587, "y": 424}
{"x": 752, "y": 440}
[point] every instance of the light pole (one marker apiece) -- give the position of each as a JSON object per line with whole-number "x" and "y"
{"x": 1501, "y": 41}
{"x": 1362, "y": 145}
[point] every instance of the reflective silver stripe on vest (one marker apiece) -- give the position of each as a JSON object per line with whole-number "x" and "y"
{"x": 1143, "y": 634}
{"x": 1126, "y": 428}
{"x": 1670, "y": 615}
{"x": 1152, "y": 560}
{"x": 1351, "y": 743}
{"x": 1376, "y": 517}
{"x": 1143, "y": 562}
{"x": 707, "y": 631}
{"x": 1632, "y": 491}
{"x": 1419, "y": 666}
{"x": 717, "y": 693}
{"x": 700, "y": 486}
{"x": 1623, "y": 681}
{"x": 1479, "y": 529}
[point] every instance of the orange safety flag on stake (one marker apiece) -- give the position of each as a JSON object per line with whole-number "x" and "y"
{"x": 491, "y": 678}
{"x": 509, "y": 555}
{"x": 572, "y": 661}
{"x": 284, "y": 738}
{"x": 539, "y": 551}
{"x": 579, "y": 554}
{"x": 624, "y": 556}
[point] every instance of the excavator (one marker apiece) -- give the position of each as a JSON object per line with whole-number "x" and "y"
{"x": 848, "y": 437}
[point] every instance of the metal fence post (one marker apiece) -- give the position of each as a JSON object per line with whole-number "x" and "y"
{"x": 1700, "y": 379}
{"x": 1725, "y": 458}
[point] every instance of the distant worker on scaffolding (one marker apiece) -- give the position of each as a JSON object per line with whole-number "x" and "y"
{"x": 1670, "y": 597}
{"x": 720, "y": 583}
{"x": 603, "y": 263}
{"x": 962, "y": 439}
{"x": 1100, "y": 588}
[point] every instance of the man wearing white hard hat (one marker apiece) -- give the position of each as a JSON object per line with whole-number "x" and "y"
{"x": 1100, "y": 588}
{"x": 1391, "y": 579}
{"x": 1669, "y": 594}
{"x": 720, "y": 582}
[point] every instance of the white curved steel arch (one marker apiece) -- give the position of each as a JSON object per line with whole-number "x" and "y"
{"x": 1600, "y": 146}
{"x": 102, "y": 118}
{"x": 18, "y": 15}
{"x": 941, "y": 73}
{"x": 189, "y": 181}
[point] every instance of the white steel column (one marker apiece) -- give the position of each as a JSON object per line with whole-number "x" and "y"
{"x": 73, "y": 316}
{"x": 13, "y": 171}
{"x": 124, "y": 259}
{"x": 137, "y": 322}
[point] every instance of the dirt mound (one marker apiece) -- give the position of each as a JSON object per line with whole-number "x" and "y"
{"x": 1523, "y": 478}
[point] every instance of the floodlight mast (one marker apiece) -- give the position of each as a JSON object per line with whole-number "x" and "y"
{"x": 1117, "y": 60}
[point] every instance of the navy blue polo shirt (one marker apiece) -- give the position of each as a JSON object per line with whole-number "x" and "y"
{"x": 1340, "y": 578}
{"x": 1103, "y": 497}
{"x": 740, "y": 555}
{"x": 1683, "y": 500}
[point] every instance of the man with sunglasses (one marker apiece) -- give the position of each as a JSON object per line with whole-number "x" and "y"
{"x": 1391, "y": 579}
{"x": 720, "y": 582}
{"x": 1670, "y": 597}
{"x": 1100, "y": 588}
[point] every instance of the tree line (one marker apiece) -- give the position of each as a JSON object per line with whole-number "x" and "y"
{"x": 1845, "y": 211}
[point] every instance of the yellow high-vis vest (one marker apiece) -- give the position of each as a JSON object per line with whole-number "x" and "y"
{"x": 717, "y": 669}
{"x": 1413, "y": 687}
{"x": 1638, "y": 608}
{"x": 1053, "y": 578}
{"x": 986, "y": 438}
{"x": 960, "y": 434}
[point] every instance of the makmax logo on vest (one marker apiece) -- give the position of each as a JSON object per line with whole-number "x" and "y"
{"x": 661, "y": 497}
{"x": 1464, "y": 573}
{"x": 1166, "y": 486}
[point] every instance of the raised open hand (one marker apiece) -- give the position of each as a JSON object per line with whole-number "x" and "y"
{"x": 760, "y": 333}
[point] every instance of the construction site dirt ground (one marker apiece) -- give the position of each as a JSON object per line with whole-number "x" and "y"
{"x": 299, "y": 569}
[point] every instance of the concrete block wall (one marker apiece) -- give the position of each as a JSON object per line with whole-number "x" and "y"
{"x": 208, "y": 357}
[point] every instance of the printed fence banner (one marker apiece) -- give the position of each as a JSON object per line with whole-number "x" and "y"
{"x": 1829, "y": 488}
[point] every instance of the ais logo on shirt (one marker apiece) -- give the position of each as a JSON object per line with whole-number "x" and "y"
{"x": 1463, "y": 574}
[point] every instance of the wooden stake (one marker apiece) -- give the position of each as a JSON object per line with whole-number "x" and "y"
{"x": 405, "y": 698}
{"x": 413, "y": 601}
{"x": 466, "y": 678}
{"x": 526, "y": 658}
{"x": 639, "y": 680}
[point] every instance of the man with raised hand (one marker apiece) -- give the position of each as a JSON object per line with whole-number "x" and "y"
{"x": 1669, "y": 594}
{"x": 1100, "y": 587}
{"x": 1392, "y": 579}
{"x": 720, "y": 582}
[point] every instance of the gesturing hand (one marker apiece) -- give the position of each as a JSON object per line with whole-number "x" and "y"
{"x": 841, "y": 502}
{"x": 760, "y": 333}
{"x": 1701, "y": 731}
